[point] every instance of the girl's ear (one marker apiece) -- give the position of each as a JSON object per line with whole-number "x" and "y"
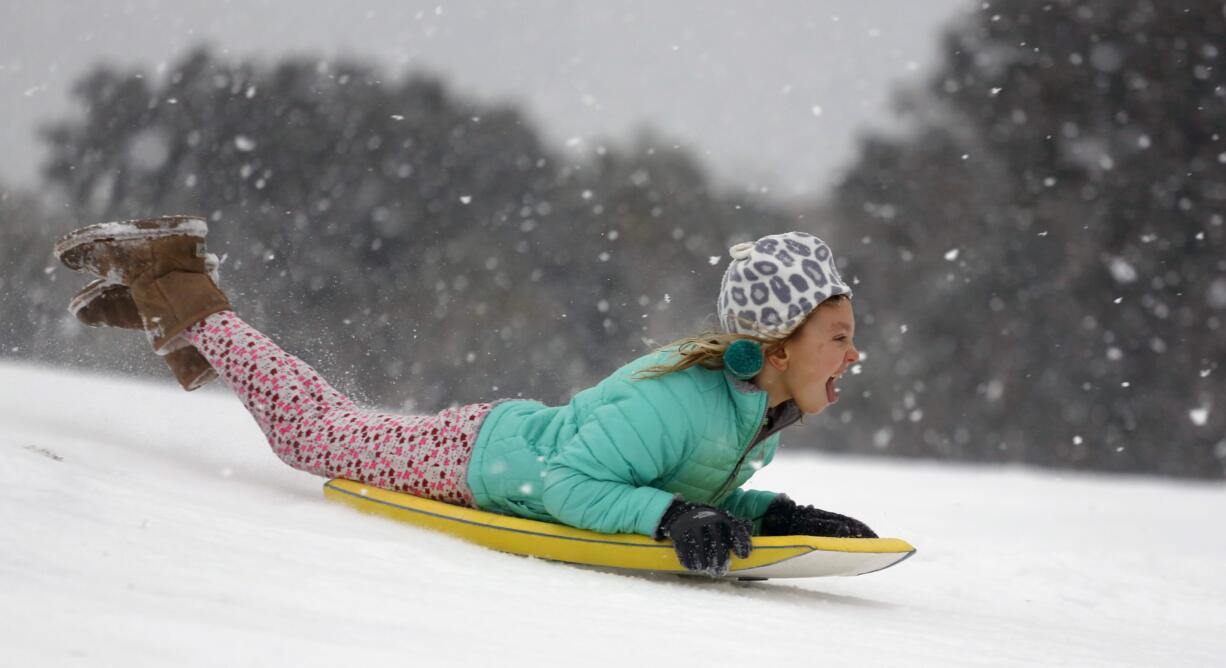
{"x": 779, "y": 358}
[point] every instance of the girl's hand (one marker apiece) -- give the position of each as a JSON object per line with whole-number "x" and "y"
{"x": 784, "y": 518}
{"x": 703, "y": 535}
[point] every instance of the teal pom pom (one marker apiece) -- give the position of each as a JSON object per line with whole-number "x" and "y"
{"x": 744, "y": 358}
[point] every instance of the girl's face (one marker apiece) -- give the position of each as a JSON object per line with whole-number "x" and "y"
{"x": 818, "y": 355}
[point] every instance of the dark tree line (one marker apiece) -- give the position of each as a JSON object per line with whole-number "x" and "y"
{"x": 420, "y": 247}
{"x": 1050, "y": 233}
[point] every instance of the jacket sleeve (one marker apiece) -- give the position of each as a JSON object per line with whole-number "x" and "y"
{"x": 749, "y": 504}
{"x": 598, "y": 479}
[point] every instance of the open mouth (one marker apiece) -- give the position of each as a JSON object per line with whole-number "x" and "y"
{"x": 832, "y": 392}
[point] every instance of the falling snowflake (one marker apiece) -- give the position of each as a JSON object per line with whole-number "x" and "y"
{"x": 1122, "y": 271}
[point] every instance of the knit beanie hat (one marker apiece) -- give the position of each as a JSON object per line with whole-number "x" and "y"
{"x": 773, "y": 283}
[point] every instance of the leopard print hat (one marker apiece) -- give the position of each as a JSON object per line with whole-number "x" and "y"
{"x": 771, "y": 284}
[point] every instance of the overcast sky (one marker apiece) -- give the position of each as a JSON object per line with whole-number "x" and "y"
{"x": 768, "y": 93}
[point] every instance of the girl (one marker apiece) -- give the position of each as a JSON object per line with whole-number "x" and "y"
{"x": 661, "y": 447}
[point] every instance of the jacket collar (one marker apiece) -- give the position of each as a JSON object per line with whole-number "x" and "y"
{"x": 749, "y": 402}
{"x": 784, "y": 415}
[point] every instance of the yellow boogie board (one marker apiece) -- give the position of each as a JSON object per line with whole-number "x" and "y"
{"x": 772, "y": 556}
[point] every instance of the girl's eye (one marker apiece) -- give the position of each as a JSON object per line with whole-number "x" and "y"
{"x": 840, "y": 337}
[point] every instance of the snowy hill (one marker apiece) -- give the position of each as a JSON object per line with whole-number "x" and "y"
{"x": 144, "y": 526}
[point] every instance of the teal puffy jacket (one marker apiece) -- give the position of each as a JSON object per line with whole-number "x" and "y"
{"x": 612, "y": 459}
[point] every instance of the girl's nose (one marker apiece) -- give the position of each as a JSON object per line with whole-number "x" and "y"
{"x": 853, "y": 355}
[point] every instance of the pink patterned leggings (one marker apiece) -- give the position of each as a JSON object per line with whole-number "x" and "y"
{"x": 314, "y": 428}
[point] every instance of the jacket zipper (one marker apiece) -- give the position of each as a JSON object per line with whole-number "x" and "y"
{"x": 723, "y": 489}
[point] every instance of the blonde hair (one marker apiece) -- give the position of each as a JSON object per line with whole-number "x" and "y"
{"x": 707, "y": 349}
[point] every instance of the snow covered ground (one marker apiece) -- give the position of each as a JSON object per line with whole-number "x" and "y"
{"x": 143, "y": 526}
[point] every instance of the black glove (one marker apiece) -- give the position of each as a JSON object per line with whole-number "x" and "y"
{"x": 784, "y": 518}
{"x": 702, "y": 536}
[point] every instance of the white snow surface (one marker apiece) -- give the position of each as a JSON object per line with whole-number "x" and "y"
{"x": 144, "y": 526}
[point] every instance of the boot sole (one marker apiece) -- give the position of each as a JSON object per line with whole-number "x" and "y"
{"x": 69, "y": 249}
{"x": 88, "y": 294}
{"x": 200, "y": 381}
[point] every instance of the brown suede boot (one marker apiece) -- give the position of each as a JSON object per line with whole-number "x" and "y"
{"x": 165, "y": 265}
{"x": 102, "y": 304}
{"x": 102, "y": 249}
